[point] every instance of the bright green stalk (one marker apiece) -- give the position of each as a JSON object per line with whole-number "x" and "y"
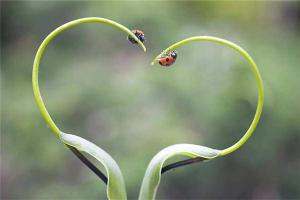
{"x": 115, "y": 186}
{"x": 153, "y": 173}
{"x": 254, "y": 70}
{"x": 35, "y": 71}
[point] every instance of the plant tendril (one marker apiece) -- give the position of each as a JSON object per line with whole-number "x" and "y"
{"x": 35, "y": 71}
{"x": 259, "y": 81}
{"x": 35, "y": 84}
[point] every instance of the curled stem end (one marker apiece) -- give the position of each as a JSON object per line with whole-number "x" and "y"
{"x": 255, "y": 71}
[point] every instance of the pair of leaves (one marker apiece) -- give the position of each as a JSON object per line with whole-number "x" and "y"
{"x": 115, "y": 186}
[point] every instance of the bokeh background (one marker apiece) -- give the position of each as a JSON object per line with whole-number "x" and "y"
{"x": 97, "y": 85}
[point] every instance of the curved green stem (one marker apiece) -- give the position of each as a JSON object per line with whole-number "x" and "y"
{"x": 35, "y": 71}
{"x": 255, "y": 72}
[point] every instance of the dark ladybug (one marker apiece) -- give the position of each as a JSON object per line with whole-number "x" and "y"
{"x": 139, "y": 34}
{"x": 169, "y": 59}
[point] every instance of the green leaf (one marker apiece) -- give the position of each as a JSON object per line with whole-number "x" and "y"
{"x": 153, "y": 173}
{"x": 115, "y": 186}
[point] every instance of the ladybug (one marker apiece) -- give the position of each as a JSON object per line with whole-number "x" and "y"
{"x": 139, "y": 34}
{"x": 169, "y": 59}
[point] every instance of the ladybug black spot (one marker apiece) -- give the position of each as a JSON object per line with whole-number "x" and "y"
{"x": 167, "y": 59}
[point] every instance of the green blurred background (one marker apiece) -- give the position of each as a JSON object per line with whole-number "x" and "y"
{"x": 99, "y": 86}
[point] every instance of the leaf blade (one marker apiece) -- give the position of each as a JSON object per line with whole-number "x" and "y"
{"x": 116, "y": 186}
{"x": 153, "y": 173}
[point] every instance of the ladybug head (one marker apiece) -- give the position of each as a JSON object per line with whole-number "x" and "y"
{"x": 141, "y": 37}
{"x": 173, "y": 54}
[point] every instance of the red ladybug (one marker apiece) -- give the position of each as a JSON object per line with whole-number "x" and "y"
{"x": 139, "y": 34}
{"x": 169, "y": 59}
